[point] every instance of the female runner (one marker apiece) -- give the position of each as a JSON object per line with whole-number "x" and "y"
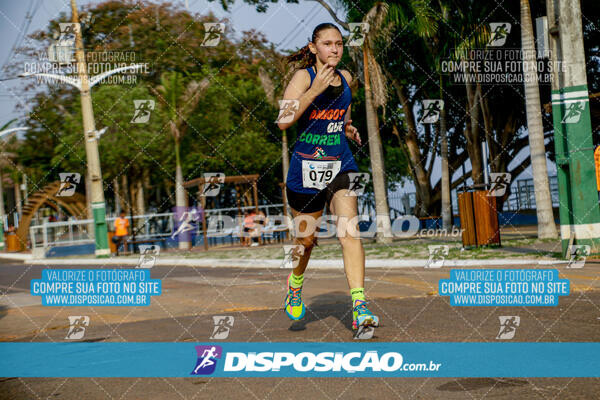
{"x": 320, "y": 163}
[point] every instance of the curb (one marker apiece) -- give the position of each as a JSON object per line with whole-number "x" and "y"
{"x": 316, "y": 263}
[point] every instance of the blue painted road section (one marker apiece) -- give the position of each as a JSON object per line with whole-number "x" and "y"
{"x": 298, "y": 359}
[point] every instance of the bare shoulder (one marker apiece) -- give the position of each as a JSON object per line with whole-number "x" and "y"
{"x": 347, "y": 75}
{"x": 299, "y": 83}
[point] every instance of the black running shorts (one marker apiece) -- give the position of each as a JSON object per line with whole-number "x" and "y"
{"x": 310, "y": 203}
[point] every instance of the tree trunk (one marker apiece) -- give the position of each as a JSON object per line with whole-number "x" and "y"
{"x": 546, "y": 225}
{"x": 117, "y": 196}
{"x": 141, "y": 203}
{"x": 125, "y": 189}
{"x": 180, "y": 194}
{"x": 472, "y": 132}
{"x": 18, "y": 197}
{"x": 2, "y": 208}
{"x": 384, "y": 228}
{"x": 446, "y": 200}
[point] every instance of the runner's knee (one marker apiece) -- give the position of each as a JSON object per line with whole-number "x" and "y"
{"x": 308, "y": 242}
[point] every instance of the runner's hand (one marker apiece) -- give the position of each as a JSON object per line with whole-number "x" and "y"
{"x": 323, "y": 78}
{"x": 352, "y": 133}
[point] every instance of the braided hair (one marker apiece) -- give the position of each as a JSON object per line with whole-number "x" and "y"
{"x": 303, "y": 57}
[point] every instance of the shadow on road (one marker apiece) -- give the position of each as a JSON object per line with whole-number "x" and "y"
{"x": 334, "y": 304}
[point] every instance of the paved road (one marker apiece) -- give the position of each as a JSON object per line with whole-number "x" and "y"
{"x": 406, "y": 300}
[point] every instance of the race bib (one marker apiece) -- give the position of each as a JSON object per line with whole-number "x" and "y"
{"x": 318, "y": 174}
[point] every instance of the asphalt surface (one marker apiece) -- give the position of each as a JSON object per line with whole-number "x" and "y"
{"x": 406, "y": 300}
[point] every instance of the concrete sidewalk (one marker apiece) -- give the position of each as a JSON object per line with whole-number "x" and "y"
{"x": 277, "y": 263}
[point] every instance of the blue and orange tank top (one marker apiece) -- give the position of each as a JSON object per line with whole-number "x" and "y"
{"x": 321, "y": 133}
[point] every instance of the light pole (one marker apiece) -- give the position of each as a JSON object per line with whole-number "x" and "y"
{"x": 2, "y": 210}
{"x": 84, "y": 83}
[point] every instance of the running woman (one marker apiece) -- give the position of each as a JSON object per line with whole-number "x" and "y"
{"x": 320, "y": 163}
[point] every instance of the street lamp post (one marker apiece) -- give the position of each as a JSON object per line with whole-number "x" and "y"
{"x": 84, "y": 83}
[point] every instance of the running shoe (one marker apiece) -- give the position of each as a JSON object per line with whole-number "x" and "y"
{"x": 294, "y": 307}
{"x": 362, "y": 316}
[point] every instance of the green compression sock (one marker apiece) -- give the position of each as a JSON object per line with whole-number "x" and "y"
{"x": 357, "y": 294}
{"x": 296, "y": 281}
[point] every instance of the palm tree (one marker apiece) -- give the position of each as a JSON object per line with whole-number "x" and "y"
{"x": 546, "y": 225}
{"x": 180, "y": 101}
{"x": 272, "y": 96}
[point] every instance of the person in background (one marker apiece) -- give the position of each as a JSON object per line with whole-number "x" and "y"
{"x": 121, "y": 230}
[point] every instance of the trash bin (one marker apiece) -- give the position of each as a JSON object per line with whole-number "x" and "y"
{"x": 478, "y": 218}
{"x": 12, "y": 242}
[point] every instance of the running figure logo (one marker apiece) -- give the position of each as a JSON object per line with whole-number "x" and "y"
{"x": 143, "y": 109}
{"x": 223, "y": 324}
{"x": 77, "y": 327}
{"x": 148, "y": 255}
{"x": 508, "y": 327}
{"x": 212, "y": 33}
{"x": 319, "y": 153}
{"x": 207, "y": 359}
{"x": 500, "y": 182}
{"x": 287, "y": 110}
{"x": 97, "y": 134}
{"x": 358, "y": 30}
{"x": 437, "y": 255}
{"x": 291, "y": 255}
{"x": 185, "y": 222}
{"x": 574, "y": 111}
{"x": 578, "y": 255}
{"x": 212, "y": 185}
{"x": 63, "y": 49}
{"x": 499, "y": 33}
{"x": 431, "y": 111}
{"x": 68, "y": 184}
{"x": 357, "y": 183}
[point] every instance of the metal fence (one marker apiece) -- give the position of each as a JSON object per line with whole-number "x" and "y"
{"x": 150, "y": 226}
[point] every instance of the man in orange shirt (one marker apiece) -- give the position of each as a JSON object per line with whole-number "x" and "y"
{"x": 121, "y": 230}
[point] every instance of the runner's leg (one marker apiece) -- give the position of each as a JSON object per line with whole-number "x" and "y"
{"x": 346, "y": 208}
{"x": 305, "y": 228}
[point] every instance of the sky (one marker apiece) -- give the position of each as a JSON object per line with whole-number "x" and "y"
{"x": 287, "y": 25}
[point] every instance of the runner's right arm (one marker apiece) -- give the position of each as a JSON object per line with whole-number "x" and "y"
{"x": 300, "y": 89}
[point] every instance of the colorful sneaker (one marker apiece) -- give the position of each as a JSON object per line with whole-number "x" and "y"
{"x": 294, "y": 307}
{"x": 362, "y": 316}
